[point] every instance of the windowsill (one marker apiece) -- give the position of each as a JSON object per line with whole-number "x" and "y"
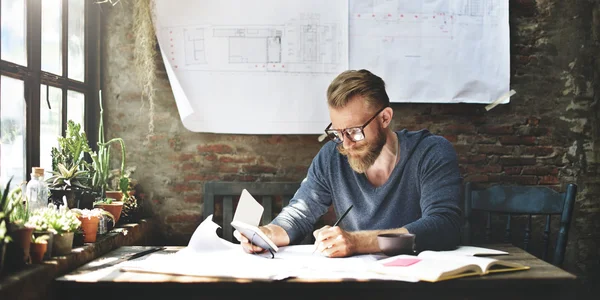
{"x": 35, "y": 281}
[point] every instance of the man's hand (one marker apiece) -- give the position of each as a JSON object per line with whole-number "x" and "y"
{"x": 334, "y": 242}
{"x": 273, "y": 232}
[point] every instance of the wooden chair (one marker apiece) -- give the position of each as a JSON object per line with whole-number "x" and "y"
{"x": 264, "y": 192}
{"x": 522, "y": 200}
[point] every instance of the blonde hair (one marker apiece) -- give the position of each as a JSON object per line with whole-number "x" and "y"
{"x": 351, "y": 83}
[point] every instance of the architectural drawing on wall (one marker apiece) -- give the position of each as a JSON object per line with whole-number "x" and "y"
{"x": 302, "y": 45}
{"x": 194, "y": 46}
{"x": 413, "y": 44}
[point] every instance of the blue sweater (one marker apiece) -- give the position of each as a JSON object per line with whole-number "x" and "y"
{"x": 421, "y": 195}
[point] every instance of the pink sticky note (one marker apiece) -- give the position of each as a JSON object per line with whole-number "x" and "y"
{"x": 402, "y": 262}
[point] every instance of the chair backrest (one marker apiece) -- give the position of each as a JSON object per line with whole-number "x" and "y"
{"x": 264, "y": 192}
{"x": 522, "y": 200}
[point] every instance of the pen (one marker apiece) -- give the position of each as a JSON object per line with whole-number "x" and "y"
{"x": 144, "y": 253}
{"x": 339, "y": 220}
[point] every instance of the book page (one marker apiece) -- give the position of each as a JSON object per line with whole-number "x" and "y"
{"x": 484, "y": 263}
{"x": 428, "y": 268}
{"x": 474, "y": 251}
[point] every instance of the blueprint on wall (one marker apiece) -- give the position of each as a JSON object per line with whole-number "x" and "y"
{"x": 260, "y": 66}
{"x": 440, "y": 51}
{"x": 263, "y": 66}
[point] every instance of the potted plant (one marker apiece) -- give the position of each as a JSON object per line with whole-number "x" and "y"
{"x": 17, "y": 253}
{"x": 89, "y": 221}
{"x": 70, "y": 170}
{"x": 101, "y": 172}
{"x": 64, "y": 222}
{"x": 39, "y": 221}
{"x": 4, "y": 219}
{"x": 39, "y": 247}
{"x": 65, "y": 182}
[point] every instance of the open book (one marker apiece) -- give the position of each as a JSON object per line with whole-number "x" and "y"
{"x": 246, "y": 220}
{"x": 435, "y": 266}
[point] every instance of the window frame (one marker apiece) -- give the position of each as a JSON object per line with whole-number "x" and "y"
{"x": 33, "y": 77}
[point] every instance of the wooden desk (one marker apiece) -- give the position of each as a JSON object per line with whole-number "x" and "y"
{"x": 104, "y": 281}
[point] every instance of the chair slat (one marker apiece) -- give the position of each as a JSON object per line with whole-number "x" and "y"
{"x": 546, "y": 237}
{"x": 507, "y": 234}
{"x": 527, "y": 234}
{"x": 227, "y": 218}
{"x": 285, "y": 200}
{"x": 488, "y": 228}
{"x": 267, "y": 203}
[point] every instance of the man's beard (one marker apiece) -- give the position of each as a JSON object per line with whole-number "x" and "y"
{"x": 364, "y": 156}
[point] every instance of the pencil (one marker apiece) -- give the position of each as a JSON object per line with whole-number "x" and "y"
{"x": 338, "y": 221}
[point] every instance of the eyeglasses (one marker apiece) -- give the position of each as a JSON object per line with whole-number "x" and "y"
{"x": 355, "y": 134}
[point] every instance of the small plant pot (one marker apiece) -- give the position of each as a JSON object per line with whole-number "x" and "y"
{"x": 49, "y": 243}
{"x": 114, "y": 208}
{"x": 56, "y": 197}
{"x": 63, "y": 244}
{"x": 90, "y": 228}
{"x": 17, "y": 251}
{"x": 117, "y": 195}
{"x": 38, "y": 252}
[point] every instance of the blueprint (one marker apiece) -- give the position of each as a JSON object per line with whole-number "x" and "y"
{"x": 263, "y": 66}
{"x": 259, "y": 66}
{"x": 440, "y": 51}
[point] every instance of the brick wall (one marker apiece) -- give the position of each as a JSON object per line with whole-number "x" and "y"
{"x": 546, "y": 136}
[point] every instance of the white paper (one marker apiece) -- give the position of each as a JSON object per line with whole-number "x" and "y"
{"x": 248, "y": 210}
{"x": 473, "y": 251}
{"x": 207, "y": 255}
{"x": 260, "y": 66}
{"x": 441, "y": 51}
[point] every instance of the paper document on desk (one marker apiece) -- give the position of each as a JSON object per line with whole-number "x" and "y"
{"x": 207, "y": 255}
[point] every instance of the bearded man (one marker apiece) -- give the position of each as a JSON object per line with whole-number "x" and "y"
{"x": 397, "y": 181}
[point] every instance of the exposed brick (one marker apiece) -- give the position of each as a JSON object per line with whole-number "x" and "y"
{"x": 180, "y": 188}
{"x": 462, "y": 149}
{"x": 259, "y": 169}
{"x": 538, "y": 150}
{"x": 184, "y": 218}
{"x": 451, "y": 138}
{"x": 277, "y": 139}
{"x": 521, "y": 180}
{"x": 517, "y": 140}
{"x": 211, "y": 157}
{"x": 189, "y": 166}
{"x": 477, "y": 178}
{"x": 236, "y": 159}
{"x": 228, "y": 169}
{"x": 217, "y": 148}
{"x": 497, "y": 129}
{"x": 469, "y": 159}
{"x": 533, "y": 131}
{"x": 245, "y": 178}
{"x": 200, "y": 177}
{"x": 484, "y": 169}
{"x": 549, "y": 179}
{"x": 513, "y": 170}
{"x": 459, "y": 128}
{"x": 533, "y": 121}
{"x": 495, "y": 149}
{"x": 517, "y": 161}
{"x": 540, "y": 170}
{"x": 192, "y": 199}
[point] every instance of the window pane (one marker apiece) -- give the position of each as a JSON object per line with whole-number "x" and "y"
{"x": 51, "y": 36}
{"x": 13, "y": 31}
{"x": 76, "y": 107}
{"x": 50, "y": 123}
{"x": 12, "y": 118}
{"x": 76, "y": 63}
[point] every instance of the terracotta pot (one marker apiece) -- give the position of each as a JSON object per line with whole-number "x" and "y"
{"x": 63, "y": 243}
{"x": 117, "y": 195}
{"x": 49, "y": 243}
{"x": 113, "y": 208}
{"x": 90, "y": 228}
{"x": 17, "y": 251}
{"x": 38, "y": 250}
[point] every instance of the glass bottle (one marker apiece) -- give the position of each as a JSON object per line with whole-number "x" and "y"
{"x": 37, "y": 190}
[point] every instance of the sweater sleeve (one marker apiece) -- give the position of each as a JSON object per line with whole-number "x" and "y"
{"x": 310, "y": 202}
{"x": 439, "y": 226}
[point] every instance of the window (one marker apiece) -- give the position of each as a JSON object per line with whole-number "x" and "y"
{"x": 49, "y": 61}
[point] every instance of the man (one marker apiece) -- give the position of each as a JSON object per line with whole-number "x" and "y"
{"x": 398, "y": 182}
